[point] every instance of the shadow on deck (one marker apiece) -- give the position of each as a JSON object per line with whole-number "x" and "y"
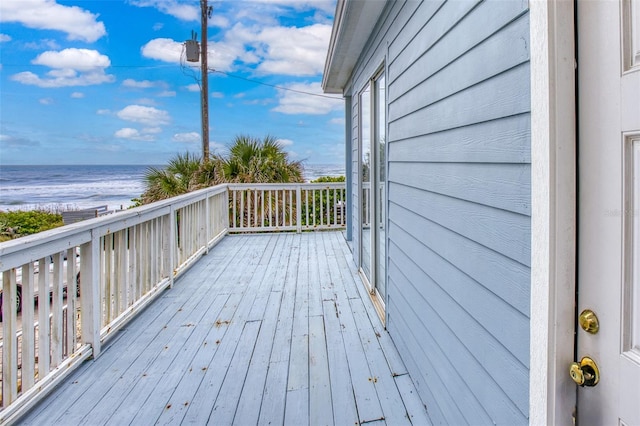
{"x": 265, "y": 329}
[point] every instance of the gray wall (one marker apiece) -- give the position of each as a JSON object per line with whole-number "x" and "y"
{"x": 459, "y": 180}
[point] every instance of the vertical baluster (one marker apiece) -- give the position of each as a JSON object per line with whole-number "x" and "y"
{"x": 320, "y": 207}
{"x": 134, "y": 253}
{"x": 28, "y": 334}
{"x": 306, "y": 208}
{"x": 72, "y": 290}
{"x": 328, "y": 208}
{"x": 270, "y": 208}
{"x": 277, "y": 215}
{"x": 343, "y": 206}
{"x": 313, "y": 210}
{"x": 153, "y": 279}
{"x": 298, "y": 208}
{"x": 56, "y": 320}
{"x": 171, "y": 242}
{"x": 290, "y": 207}
{"x": 90, "y": 294}
{"x": 261, "y": 208}
{"x": 146, "y": 241}
{"x": 236, "y": 203}
{"x": 242, "y": 212}
{"x": 108, "y": 291}
{"x": 10, "y": 343}
{"x": 123, "y": 281}
{"x": 43, "y": 317}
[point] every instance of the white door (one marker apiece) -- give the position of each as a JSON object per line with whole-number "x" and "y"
{"x": 609, "y": 207}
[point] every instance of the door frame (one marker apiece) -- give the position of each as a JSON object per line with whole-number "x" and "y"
{"x": 371, "y": 282}
{"x": 552, "y": 395}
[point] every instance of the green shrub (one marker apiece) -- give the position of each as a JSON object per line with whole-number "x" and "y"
{"x": 325, "y": 179}
{"x": 14, "y": 224}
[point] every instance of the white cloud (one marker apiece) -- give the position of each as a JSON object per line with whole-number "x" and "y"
{"x": 163, "y": 49}
{"x": 182, "y": 11}
{"x": 42, "y": 44}
{"x": 167, "y": 94}
{"x": 337, "y": 121}
{"x": 303, "y": 103}
{"x": 46, "y": 101}
{"x": 327, "y": 6}
{"x": 77, "y": 95}
{"x": 219, "y": 21}
{"x": 187, "y": 137}
{"x": 144, "y": 84}
{"x": 285, "y": 142}
{"x": 145, "y": 115}
{"x": 221, "y": 57}
{"x": 103, "y": 112}
{"x": 292, "y": 50}
{"x": 193, "y": 87}
{"x": 158, "y": 26}
{"x": 4, "y": 38}
{"x": 75, "y": 59}
{"x": 78, "y": 23}
{"x": 17, "y": 142}
{"x": 297, "y": 51}
{"x": 216, "y": 95}
{"x": 133, "y": 134}
{"x": 71, "y": 67}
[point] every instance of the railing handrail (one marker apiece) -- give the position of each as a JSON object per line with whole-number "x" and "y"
{"x": 82, "y": 231}
{"x": 314, "y": 185}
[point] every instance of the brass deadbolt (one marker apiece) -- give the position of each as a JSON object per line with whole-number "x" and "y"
{"x": 585, "y": 372}
{"x": 589, "y": 321}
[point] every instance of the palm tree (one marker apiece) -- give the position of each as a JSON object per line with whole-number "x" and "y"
{"x": 250, "y": 160}
{"x": 181, "y": 175}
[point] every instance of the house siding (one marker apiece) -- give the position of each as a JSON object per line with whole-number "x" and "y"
{"x": 459, "y": 200}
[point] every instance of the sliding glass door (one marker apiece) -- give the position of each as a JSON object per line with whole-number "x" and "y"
{"x": 372, "y": 147}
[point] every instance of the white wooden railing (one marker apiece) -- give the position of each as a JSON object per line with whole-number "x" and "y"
{"x": 98, "y": 274}
{"x": 124, "y": 261}
{"x": 287, "y": 207}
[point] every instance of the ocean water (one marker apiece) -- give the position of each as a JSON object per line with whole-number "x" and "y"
{"x": 76, "y": 187}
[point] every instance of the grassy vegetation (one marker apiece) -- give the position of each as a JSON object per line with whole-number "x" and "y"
{"x": 14, "y": 224}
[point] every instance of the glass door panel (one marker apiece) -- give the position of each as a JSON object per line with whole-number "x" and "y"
{"x": 365, "y": 181}
{"x": 380, "y": 179}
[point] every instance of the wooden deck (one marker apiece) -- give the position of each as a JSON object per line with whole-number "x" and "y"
{"x": 265, "y": 329}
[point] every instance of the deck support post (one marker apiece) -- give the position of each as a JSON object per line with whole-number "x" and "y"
{"x": 207, "y": 223}
{"x": 298, "y": 209}
{"x": 90, "y": 293}
{"x": 172, "y": 245}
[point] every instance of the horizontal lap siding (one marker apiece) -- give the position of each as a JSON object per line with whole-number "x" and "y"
{"x": 459, "y": 184}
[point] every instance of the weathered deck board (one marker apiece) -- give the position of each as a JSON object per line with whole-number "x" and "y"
{"x": 265, "y": 329}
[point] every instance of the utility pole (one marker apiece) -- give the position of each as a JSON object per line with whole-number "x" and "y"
{"x": 204, "y": 89}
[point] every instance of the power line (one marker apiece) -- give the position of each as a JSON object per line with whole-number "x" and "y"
{"x": 273, "y": 85}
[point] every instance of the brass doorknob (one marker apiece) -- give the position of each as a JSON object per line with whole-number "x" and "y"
{"x": 585, "y": 372}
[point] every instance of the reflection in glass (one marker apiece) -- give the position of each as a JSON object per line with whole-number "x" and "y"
{"x": 380, "y": 179}
{"x": 365, "y": 179}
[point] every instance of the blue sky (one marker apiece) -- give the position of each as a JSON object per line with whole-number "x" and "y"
{"x": 105, "y": 81}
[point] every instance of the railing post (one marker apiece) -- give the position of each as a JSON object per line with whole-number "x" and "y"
{"x": 298, "y": 209}
{"x": 225, "y": 220}
{"x": 90, "y": 293}
{"x": 10, "y": 344}
{"x": 171, "y": 224}
{"x": 207, "y": 223}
